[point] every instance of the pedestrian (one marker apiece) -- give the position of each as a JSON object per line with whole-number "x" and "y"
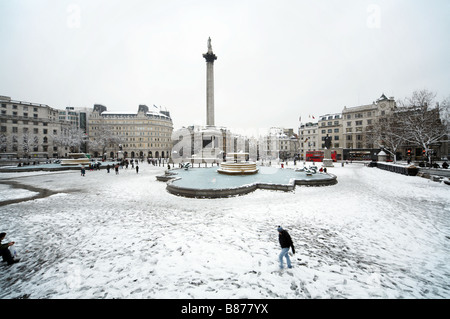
{"x": 108, "y": 167}
{"x": 5, "y": 252}
{"x": 285, "y": 243}
{"x": 83, "y": 171}
{"x": 116, "y": 168}
{"x": 137, "y": 168}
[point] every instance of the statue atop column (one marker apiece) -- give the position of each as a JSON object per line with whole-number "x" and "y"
{"x": 209, "y": 45}
{"x": 210, "y": 56}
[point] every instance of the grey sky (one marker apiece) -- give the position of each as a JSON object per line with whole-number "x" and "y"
{"x": 277, "y": 60}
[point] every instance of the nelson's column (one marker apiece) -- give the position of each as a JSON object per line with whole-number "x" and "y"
{"x": 210, "y": 57}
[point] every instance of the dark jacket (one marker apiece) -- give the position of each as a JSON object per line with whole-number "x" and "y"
{"x": 286, "y": 240}
{"x": 3, "y": 246}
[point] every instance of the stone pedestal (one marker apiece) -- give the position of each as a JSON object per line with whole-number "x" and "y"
{"x": 327, "y": 161}
{"x": 382, "y": 156}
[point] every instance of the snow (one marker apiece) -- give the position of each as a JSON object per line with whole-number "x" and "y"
{"x": 9, "y": 193}
{"x": 375, "y": 234}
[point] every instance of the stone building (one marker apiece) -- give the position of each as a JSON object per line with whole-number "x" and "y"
{"x": 145, "y": 134}
{"x": 29, "y": 129}
{"x": 355, "y": 122}
{"x": 309, "y": 138}
{"x": 331, "y": 125}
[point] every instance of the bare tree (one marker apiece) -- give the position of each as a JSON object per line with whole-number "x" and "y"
{"x": 103, "y": 138}
{"x": 71, "y": 137}
{"x": 388, "y": 133}
{"x": 3, "y": 142}
{"x": 28, "y": 142}
{"x": 422, "y": 120}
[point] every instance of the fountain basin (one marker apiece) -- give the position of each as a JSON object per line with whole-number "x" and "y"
{"x": 208, "y": 183}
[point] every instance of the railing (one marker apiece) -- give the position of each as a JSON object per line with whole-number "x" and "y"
{"x": 405, "y": 170}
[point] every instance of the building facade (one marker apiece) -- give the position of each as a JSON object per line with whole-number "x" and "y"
{"x": 29, "y": 130}
{"x": 145, "y": 134}
{"x": 355, "y": 124}
{"x": 309, "y": 138}
{"x": 349, "y": 130}
{"x": 330, "y": 125}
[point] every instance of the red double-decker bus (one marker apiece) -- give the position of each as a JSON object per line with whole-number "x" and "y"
{"x": 317, "y": 156}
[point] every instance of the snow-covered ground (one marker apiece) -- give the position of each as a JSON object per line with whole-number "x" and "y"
{"x": 375, "y": 234}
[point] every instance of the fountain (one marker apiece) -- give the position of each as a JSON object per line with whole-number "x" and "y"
{"x": 237, "y": 175}
{"x": 238, "y": 166}
{"x": 76, "y": 159}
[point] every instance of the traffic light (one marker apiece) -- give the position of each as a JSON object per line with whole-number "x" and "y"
{"x": 409, "y": 152}
{"x": 424, "y": 152}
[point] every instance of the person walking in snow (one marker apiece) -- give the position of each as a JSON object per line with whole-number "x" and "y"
{"x": 137, "y": 168}
{"x": 83, "y": 171}
{"x": 285, "y": 243}
{"x": 4, "y": 251}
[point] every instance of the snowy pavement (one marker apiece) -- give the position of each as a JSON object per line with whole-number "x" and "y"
{"x": 375, "y": 234}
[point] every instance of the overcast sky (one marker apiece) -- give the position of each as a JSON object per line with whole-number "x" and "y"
{"x": 277, "y": 60}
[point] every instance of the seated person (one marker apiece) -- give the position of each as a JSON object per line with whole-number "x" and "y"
{"x": 4, "y": 251}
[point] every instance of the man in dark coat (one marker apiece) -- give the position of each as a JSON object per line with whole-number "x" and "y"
{"x": 4, "y": 251}
{"x": 285, "y": 243}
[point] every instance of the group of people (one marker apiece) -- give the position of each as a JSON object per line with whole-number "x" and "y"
{"x": 116, "y": 166}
